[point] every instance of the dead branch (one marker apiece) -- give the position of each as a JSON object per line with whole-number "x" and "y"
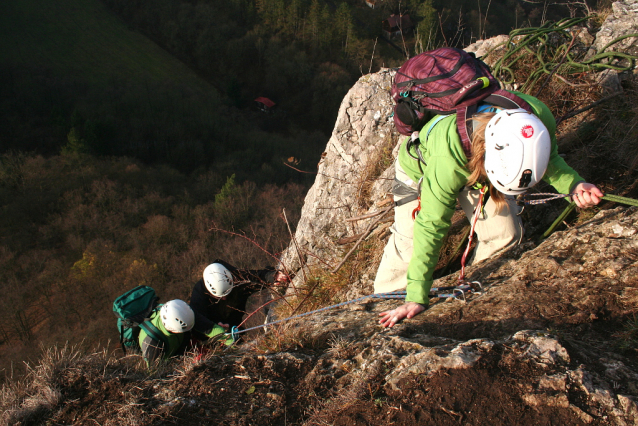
{"x": 348, "y": 240}
{"x": 588, "y": 107}
{"x": 570, "y": 84}
{"x": 214, "y": 228}
{"x": 313, "y": 173}
{"x": 365, "y": 233}
{"x": 366, "y": 216}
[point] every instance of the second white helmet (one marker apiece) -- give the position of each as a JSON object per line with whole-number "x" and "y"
{"x": 218, "y": 280}
{"x": 177, "y": 316}
{"x": 517, "y": 149}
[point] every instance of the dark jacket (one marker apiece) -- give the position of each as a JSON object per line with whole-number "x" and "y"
{"x": 209, "y": 310}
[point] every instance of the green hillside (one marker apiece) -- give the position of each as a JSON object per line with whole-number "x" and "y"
{"x": 75, "y": 76}
{"x": 81, "y": 39}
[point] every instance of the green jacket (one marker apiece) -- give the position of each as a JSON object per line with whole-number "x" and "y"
{"x": 444, "y": 177}
{"x": 153, "y": 349}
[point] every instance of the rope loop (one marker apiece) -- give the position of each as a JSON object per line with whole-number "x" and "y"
{"x": 555, "y": 57}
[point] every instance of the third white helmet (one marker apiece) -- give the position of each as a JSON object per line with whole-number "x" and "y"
{"x": 177, "y": 316}
{"x": 218, "y": 280}
{"x": 517, "y": 149}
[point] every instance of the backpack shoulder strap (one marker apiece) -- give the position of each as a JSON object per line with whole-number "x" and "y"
{"x": 154, "y": 332}
{"x": 501, "y": 98}
{"x": 416, "y": 142}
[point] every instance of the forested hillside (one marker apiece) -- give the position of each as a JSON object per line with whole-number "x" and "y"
{"x": 131, "y": 144}
{"x": 174, "y": 81}
{"x": 75, "y": 78}
{"x": 77, "y": 231}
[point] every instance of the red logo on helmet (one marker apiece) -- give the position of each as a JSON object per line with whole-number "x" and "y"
{"x": 527, "y": 131}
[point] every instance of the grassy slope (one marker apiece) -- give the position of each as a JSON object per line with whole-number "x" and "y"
{"x": 83, "y": 39}
{"x": 67, "y": 56}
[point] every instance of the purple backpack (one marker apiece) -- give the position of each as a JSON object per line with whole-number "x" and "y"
{"x": 446, "y": 81}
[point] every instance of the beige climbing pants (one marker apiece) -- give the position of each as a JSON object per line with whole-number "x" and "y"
{"x": 495, "y": 232}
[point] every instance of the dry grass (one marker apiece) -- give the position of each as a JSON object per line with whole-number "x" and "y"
{"x": 286, "y": 336}
{"x": 377, "y": 163}
{"x": 628, "y": 337}
{"x": 39, "y": 391}
{"x": 357, "y": 391}
{"x": 340, "y": 347}
{"x": 50, "y": 389}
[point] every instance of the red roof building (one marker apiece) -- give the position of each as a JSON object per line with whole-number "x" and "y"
{"x": 264, "y": 104}
{"x": 396, "y": 25}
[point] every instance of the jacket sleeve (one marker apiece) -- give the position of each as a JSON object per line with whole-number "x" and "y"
{"x": 218, "y": 333}
{"x": 255, "y": 276}
{"x": 199, "y": 303}
{"x": 443, "y": 178}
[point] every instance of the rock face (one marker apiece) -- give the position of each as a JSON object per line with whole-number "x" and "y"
{"x": 347, "y": 185}
{"x": 538, "y": 341}
{"x": 623, "y": 21}
{"x": 546, "y": 335}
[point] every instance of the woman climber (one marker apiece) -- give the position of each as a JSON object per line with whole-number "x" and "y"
{"x": 511, "y": 150}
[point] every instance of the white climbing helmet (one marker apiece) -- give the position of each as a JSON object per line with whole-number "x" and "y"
{"x": 218, "y": 280}
{"x": 517, "y": 148}
{"x": 177, "y": 316}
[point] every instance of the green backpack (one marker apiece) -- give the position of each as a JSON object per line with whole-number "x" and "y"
{"x": 133, "y": 310}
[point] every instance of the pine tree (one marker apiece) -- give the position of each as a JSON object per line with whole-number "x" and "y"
{"x": 426, "y": 29}
{"x": 343, "y": 24}
{"x": 313, "y": 23}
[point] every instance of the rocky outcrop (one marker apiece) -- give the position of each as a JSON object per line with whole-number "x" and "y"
{"x": 621, "y": 22}
{"x": 363, "y": 130}
{"x": 579, "y": 284}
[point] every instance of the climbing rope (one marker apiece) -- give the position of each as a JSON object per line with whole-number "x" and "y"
{"x": 553, "y": 57}
{"x": 572, "y": 205}
{"x": 457, "y": 292}
{"x": 463, "y": 287}
{"x": 529, "y": 199}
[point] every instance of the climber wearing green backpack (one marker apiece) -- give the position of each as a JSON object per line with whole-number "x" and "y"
{"x": 158, "y": 331}
{"x": 167, "y": 333}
